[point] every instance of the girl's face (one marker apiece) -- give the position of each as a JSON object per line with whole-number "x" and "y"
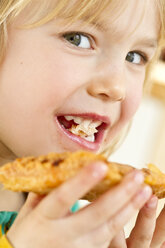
{"x": 65, "y": 89}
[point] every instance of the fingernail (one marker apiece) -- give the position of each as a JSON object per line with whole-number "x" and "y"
{"x": 142, "y": 196}
{"x": 152, "y": 202}
{"x": 146, "y": 192}
{"x": 138, "y": 177}
{"x": 100, "y": 170}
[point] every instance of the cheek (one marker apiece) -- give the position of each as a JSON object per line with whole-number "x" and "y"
{"x": 132, "y": 102}
{"x": 128, "y": 109}
{"x": 37, "y": 79}
{"x": 42, "y": 86}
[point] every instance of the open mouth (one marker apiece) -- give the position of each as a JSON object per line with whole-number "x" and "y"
{"x": 83, "y": 127}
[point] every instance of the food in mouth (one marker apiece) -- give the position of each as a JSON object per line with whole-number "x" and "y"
{"x": 44, "y": 173}
{"x": 85, "y": 128}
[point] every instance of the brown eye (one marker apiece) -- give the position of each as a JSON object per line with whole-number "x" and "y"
{"x": 79, "y": 40}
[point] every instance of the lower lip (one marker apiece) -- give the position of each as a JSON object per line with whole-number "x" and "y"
{"x": 92, "y": 146}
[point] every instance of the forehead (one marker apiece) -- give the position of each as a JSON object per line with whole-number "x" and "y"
{"x": 136, "y": 17}
{"x": 117, "y": 16}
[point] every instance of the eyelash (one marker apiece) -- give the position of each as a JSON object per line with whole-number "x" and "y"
{"x": 89, "y": 37}
{"x": 143, "y": 60}
{"x": 143, "y": 55}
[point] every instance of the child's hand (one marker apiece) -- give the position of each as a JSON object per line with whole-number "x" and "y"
{"x": 148, "y": 232}
{"x": 47, "y": 222}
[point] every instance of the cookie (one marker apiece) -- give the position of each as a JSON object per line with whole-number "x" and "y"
{"x": 43, "y": 173}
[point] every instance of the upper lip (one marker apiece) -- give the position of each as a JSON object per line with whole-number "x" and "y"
{"x": 92, "y": 116}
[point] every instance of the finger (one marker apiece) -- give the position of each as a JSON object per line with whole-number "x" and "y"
{"x": 159, "y": 234}
{"x": 113, "y": 226}
{"x": 31, "y": 202}
{"x": 101, "y": 210}
{"x": 119, "y": 220}
{"x": 101, "y": 238}
{"x": 142, "y": 233}
{"x": 119, "y": 241}
{"x": 60, "y": 200}
{"x": 96, "y": 238}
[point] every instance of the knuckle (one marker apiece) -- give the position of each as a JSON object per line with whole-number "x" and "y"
{"x": 102, "y": 236}
{"x": 62, "y": 198}
{"x": 129, "y": 189}
{"x": 137, "y": 202}
{"x": 84, "y": 180}
{"x": 149, "y": 214}
{"x": 102, "y": 212}
{"x": 106, "y": 232}
{"x": 98, "y": 213}
{"x": 113, "y": 227}
{"x": 145, "y": 238}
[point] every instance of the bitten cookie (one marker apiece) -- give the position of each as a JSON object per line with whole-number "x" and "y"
{"x": 43, "y": 173}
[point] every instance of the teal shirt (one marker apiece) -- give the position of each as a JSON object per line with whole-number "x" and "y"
{"x": 6, "y": 220}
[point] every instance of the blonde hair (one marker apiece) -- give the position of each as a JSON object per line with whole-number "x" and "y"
{"x": 41, "y": 12}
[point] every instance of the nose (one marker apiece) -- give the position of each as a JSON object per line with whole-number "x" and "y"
{"x": 108, "y": 85}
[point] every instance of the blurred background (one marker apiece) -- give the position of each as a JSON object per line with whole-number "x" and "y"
{"x": 145, "y": 142}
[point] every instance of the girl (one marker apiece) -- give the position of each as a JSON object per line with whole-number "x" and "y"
{"x": 81, "y": 61}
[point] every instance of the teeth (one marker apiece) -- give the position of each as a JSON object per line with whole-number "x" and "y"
{"x": 86, "y": 128}
{"x": 78, "y": 120}
{"x": 90, "y": 138}
{"x": 69, "y": 118}
{"x": 95, "y": 124}
{"x": 86, "y": 122}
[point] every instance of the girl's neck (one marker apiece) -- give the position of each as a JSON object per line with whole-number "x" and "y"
{"x": 5, "y": 154}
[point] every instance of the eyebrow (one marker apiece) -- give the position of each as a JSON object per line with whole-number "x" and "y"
{"x": 101, "y": 26}
{"x": 148, "y": 42}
